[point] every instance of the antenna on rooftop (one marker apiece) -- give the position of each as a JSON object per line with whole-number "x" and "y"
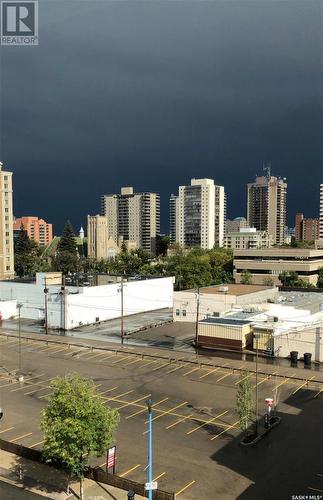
{"x": 266, "y": 166}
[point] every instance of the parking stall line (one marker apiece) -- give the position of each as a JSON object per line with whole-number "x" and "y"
{"x": 26, "y": 380}
{"x": 208, "y": 422}
{"x": 225, "y": 430}
{"x": 37, "y": 390}
{"x": 179, "y": 421}
{"x": 108, "y": 390}
{"x": 60, "y": 350}
{"x": 132, "y": 402}
{"x": 161, "y": 366}
{"x": 184, "y": 488}
{"x": 176, "y": 368}
{"x": 315, "y": 489}
{"x": 20, "y": 437}
{"x": 47, "y": 348}
{"x": 212, "y": 371}
{"x": 318, "y": 393}
{"x": 121, "y": 359}
{"x": 159, "y": 476}
{"x": 191, "y": 371}
{"x": 149, "y": 363}
{"x": 7, "y": 430}
{"x": 44, "y": 395}
{"x": 244, "y": 378}
{"x": 231, "y": 373}
{"x": 119, "y": 396}
{"x": 30, "y": 385}
{"x": 264, "y": 380}
{"x": 108, "y": 357}
{"x": 36, "y": 444}
{"x": 132, "y": 362}
{"x": 302, "y": 385}
{"x": 130, "y": 470}
{"x": 284, "y": 381}
{"x": 167, "y": 411}
{"x": 96, "y": 355}
{"x": 145, "y": 409}
{"x": 87, "y": 351}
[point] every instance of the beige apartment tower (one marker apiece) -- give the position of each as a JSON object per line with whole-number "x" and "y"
{"x": 321, "y": 213}
{"x": 197, "y": 215}
{"x": 266, "y": 206}
{"x": 6, "y": 226}
{"x": 133, "y": 217}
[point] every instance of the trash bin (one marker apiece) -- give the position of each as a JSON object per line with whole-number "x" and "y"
{"x": 293, "y": 357}
{"x": 307, "y": 358}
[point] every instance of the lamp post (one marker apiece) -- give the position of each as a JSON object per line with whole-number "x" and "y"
{"x": 256, "y": 336}
{"x": 19, "y": 306}
{"x": 150, "y": 448}
{"x": 46, "y": 311}
{"x": 197, "y": 318}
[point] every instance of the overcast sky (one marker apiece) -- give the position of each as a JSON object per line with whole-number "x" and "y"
{"x": 152, "y": 93}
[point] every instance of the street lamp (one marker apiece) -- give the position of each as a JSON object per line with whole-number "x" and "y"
{"x": 19, "y": 306}
{"x": 46, "y": 307}
{"x": 256, "y": 336}
{"x": 150, "y": 449}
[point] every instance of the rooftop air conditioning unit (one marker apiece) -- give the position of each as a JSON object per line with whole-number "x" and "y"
{"x": 224, "y": 289}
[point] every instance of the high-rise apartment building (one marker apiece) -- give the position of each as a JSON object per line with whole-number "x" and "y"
{"x": 266, "y": 206}
{"x": 306, "y": 229}
{"x": 38, "y": 230}
{"x": 133, "y": 217}
{"x": 173, "y": 218}
{"x": 6, "y": 226}
{"x": 321, "y": 212}
{"x": 197, "y": 215}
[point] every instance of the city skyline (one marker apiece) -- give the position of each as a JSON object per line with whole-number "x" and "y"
{"x": 86, "y": 116}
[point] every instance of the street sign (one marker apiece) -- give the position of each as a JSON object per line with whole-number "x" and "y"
{"x": 151, "y": 486}
{"x": 111, "y": 457}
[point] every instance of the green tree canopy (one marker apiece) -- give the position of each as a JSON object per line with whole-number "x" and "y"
{"x": 26, "y": 254}
{"x": 246, "y": 277}
{"x": 244, "y": 401}
{"x": 76, "y": 424}
{"x": 67, "y": 258}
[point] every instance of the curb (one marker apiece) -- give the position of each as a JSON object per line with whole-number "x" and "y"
{"x": 261, "y": 436}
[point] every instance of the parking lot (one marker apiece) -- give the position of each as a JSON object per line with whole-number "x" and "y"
{"x": 195, "y": 425}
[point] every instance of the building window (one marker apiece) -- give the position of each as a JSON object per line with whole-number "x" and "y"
{"x": 184, "y": 312}
{"x": 177, "y": 312}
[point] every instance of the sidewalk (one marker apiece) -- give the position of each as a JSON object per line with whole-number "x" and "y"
{"x": 49, "y": 482}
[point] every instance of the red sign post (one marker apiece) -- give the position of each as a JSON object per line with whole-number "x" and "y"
{"x": 111, "y": 459}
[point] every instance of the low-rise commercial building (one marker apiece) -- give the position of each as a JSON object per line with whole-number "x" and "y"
{"x": 268, "y": 264}
{"x": 248, "y": 237}
{"x": 85, "y": 305}
{"x": 213, "y": 301}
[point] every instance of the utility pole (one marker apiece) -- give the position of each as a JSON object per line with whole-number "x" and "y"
{"x": 46, "y": 308}
{"x": 19, "y": 306}
{"x": 121, "y": 312}
{"x": 256, "y": 336}
{"x": 64, "y": 305}
{"x": 197, "y": 317}
{"x": 150, "y": 448}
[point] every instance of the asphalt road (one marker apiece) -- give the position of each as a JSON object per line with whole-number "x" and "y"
{"x": 196, "y": 438}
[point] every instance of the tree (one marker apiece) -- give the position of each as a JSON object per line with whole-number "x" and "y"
{"x": 268, "y": 281}
{"x": 76, "y": 424}
{"x": 246, "y": 277}
{"x": 320, "y": 278}
{"x": 162, "y": 244}
{"x": 67, "y": 259}
{"x": 244, "y": 401}
{"x": 26, "y": 256}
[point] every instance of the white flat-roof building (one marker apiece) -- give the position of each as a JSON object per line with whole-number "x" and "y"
{"x": 87, "y": 305}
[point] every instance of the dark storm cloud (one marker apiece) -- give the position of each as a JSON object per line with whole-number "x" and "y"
{"x": 152, "y": 93}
